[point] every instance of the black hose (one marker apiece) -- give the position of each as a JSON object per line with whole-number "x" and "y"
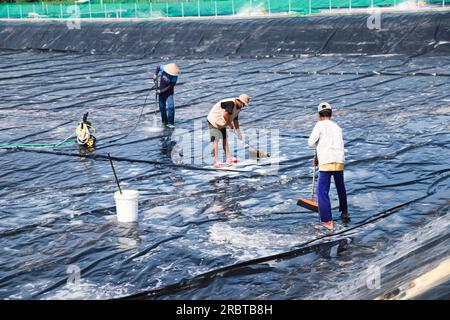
{"x": 139, "y": 119}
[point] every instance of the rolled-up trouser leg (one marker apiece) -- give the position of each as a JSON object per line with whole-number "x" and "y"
{"x": 323, "y": 188}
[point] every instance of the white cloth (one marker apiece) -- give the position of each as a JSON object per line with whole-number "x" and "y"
{"x": 330, "y": 144}
{"x": 215, "y": 116}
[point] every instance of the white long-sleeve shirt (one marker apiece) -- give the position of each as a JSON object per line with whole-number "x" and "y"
{"x": 330, "y": 144}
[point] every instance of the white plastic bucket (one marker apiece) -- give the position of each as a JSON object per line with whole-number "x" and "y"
{"x": 126, "y": 205}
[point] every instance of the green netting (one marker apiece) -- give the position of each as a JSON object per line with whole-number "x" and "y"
{"x": 148, "y": 9}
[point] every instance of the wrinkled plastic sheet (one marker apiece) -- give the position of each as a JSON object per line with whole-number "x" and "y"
{"x": 204, "y": 234}
{"x": 410, "y": 34}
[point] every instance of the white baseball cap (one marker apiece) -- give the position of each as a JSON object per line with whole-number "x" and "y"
{"x": 323, "y": 106}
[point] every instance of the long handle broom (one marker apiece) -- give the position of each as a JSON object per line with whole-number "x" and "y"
{"x": 310, "y": 204}
{"x": 259, "y": 153}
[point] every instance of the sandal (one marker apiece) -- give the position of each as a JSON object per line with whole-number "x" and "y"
{"x": 322, "y": 226}
{"x": 219, "y": 165}
{"x": 232, "y": 160}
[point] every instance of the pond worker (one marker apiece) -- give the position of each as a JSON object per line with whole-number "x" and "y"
{"x": 167, "y": 76}
{"x": 225, "y": 114}
{"x": 327, "y": 137}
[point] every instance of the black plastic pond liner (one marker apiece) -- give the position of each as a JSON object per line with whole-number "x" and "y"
{"x": 204, "y": 234}
{"x": 410, "y": 34}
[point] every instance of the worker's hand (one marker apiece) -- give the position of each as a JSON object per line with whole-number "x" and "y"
{"x": 315, "y": 161}
{"x": 239, "y": 134}
{"x": 154, "y": 78}
{"x": 231, "y": 129}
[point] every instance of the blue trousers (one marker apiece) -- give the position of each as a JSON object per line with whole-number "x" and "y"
{"x": 323, "y": 188}
{"x": 167, "y": 116}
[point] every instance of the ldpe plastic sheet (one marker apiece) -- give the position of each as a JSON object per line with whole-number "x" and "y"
{"x": 203, "y": 233}
{"x": 410, "y": 34}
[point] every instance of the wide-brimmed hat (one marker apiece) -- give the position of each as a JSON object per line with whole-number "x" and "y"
{"x": 245, "y": 99}
{"x": 323, "y": 106}
{"x": 172, "y": 69}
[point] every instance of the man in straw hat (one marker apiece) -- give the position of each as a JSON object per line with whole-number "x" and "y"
{"x": 225, "y": 114}
{"x": 168, "y": 76}
{"x": 327, "y": 135}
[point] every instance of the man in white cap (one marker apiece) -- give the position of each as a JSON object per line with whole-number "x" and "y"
{"x": 223, "y": 114}
{"x": 168, "y": 76}
{"x": 327, "y": 135}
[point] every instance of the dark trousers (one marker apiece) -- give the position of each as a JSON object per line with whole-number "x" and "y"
{"x": 167, "y": 115}
{"x": 323, "y": 188}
